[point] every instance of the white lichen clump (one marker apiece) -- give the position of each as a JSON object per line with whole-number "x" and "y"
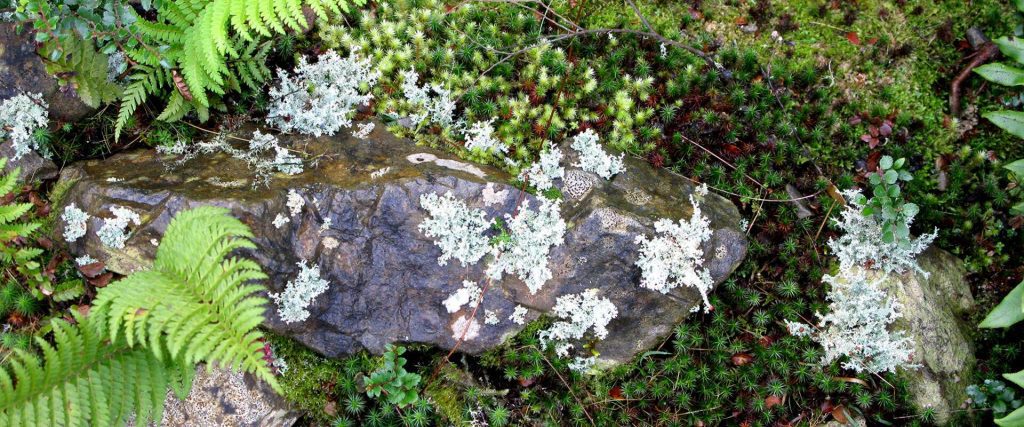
{"x": 75, "y": 223}
{"x": 480, "y": 136}
{"x": 321, "y": 98}
{"x": 465, "y": 328}
{"x": 112, "y": 232}
{"x": 545, "y": 171}
{"x": 857, "y": 326}
{"x": 85, "y": 260}
{"x": 593, "y": 158}
{"x": 532, "y": 235}
{"x": 299, "y": 293}
{"x": 469, "y": 294}
{"x": 294, "y": 202}
{"x": 363, "y": 130}
{"x": 519, "y": 315}
{"x": 455, "y": 228}
{"x": 283, "y": 161}
{"x": 861, "y": 243}
{"x": 582, "y": 312}
{"x": 280, "y": 220}
{"x": 439, "y": 107}
{"x": 490, "y": 317}
{"x": 674, "y": 257}
{"x": 264, "y": 155}
{"x": 583, "y": 364}
{"x": 20, "y": 116}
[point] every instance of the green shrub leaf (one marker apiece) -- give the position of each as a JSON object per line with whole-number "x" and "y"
{"x": 1012, "y": 48}
{"x": 1001, "y": 74}
{"x": 1008, "y": 312}
{"x": 1010, "y": 121}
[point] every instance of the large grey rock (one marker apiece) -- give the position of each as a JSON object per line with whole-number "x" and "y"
{"x": 386, "y": 284}
{"x": 933, "y": 311}
{"x": 23, "y": 71}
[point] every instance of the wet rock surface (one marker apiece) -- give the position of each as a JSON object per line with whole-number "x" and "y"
{"x": 360, "y": 220}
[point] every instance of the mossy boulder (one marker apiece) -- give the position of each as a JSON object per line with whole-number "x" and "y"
{"x": 934, "y": 309}
{"x": 360, "y": 226}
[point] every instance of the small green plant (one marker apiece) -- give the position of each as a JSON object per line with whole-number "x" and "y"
{"x": 1007, "y": 74}
{"x": 392, "y": 381}
{"x": 1009, "y": 311}
{"x": 995, "y": 395}
{"x": 886, "y": 201}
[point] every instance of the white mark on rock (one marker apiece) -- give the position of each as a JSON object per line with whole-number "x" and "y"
{"x": 492, "y": 197}
{"x": 446, "y": 163}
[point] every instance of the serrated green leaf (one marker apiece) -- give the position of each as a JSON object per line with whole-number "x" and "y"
{"x": 891, "y": 177}
{"x": 1016, "y": 378}
{"x": 1017, "y": 166}
{"x": 1017, "y": 209}
{"x": 886, "y": 162}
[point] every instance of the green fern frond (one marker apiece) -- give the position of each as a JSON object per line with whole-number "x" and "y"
{"x": 83, "y": 379}
{"x": 9, "y": 181}
{"x": 212, "y": 44}
{"x": 176, "y": 108}
{"x": 84, "y": 68}
{"x": 9, "y": 213}
{"x": 123, "y": 357}
{"x": 134, "y": 95}
{"x": 208, "y": 311}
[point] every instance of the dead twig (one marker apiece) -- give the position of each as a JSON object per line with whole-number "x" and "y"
{"x": 986, "y": 52}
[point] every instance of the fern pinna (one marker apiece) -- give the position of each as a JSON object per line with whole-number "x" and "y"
{"x": 146, "y": 332}
{"x": 23, "y": 258}
{"x": 214, "y": 44}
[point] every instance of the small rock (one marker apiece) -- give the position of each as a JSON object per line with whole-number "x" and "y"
{"x": 33, "y": 166}
{"x": 23, "y": 71}
{"x": 224, "y": 398}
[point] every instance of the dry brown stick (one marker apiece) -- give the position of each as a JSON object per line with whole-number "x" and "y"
{"x": 986, "y": 52}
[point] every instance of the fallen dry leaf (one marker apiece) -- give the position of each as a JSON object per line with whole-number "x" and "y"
{"x": 740, "y": 359}
{"x": 852, "y": 37}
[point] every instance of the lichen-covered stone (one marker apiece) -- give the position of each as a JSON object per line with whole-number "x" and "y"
{"x": 933, "y": 313}
{"x": 33, "y": 166}
{"x": 385, "y": 282}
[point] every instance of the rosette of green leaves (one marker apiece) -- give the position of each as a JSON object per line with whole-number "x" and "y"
{"x": 886, "y": 202}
